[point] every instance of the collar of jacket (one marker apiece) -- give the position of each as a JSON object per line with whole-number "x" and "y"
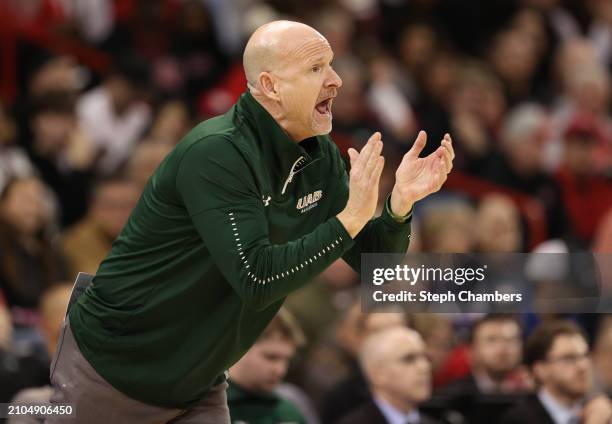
{"x": 285, "y": 157}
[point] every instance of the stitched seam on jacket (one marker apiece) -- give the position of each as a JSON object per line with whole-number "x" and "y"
{"x": 282, "y": 274}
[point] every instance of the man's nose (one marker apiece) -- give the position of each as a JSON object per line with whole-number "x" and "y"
{"x": 334, "y": 79}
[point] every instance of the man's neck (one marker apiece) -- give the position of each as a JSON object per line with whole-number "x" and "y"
{"x": 561, "y": 398}
{"x": 488, "y": 382}
{"x": 395, "y": 402}
{"x": 274, "y": 110}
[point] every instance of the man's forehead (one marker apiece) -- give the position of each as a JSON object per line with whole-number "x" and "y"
{"x": 567, "y": 342}
{"x": 309, "y": 49}
{"x": 408, "y": 344}
{"x": 502, "y": 328}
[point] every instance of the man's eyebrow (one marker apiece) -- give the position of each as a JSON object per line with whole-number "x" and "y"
{"x": 319, "y": 59}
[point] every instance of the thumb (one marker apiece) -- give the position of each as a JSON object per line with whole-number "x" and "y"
{"x": 418, "y": 145}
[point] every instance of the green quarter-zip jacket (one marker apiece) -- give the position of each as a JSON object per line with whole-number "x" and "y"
{"x": 235, "y": 218}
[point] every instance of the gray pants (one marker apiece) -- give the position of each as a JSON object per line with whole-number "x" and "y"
{"x": 95, "y": 401}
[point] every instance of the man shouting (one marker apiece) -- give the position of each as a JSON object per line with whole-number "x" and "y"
{"x": 250, "y": 206}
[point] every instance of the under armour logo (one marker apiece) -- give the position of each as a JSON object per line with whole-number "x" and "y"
{"x": 266, "y": 201}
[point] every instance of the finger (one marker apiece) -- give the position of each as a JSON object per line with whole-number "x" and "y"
{"x": 353, "y": 155}
{"x": 442, "y": 175}
{"x": 446, "y": 156}
{"x": 366, "y": 152}
{"x": 375, "y": 177}
{"x": 448, "y": 145}
{"x": 418, "y": 145}
{"x": 373, "y": 160}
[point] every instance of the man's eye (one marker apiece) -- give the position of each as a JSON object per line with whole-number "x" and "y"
{"x": 316, "y": 68}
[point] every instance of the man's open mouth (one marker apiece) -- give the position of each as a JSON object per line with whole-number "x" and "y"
{"x": 324, "y": 107}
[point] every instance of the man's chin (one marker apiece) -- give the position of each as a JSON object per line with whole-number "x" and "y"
{"x": 323, "y": 129}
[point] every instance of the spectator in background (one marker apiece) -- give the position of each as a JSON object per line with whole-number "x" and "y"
{"x": 338, "y": 27}
{"x": 143, "y": 26}
{"x": 557, "y": 353}
{"x": 499, "y": 225}
{"x": 353, "y": 117}
{"x": 9, "y": 362}
{"x": 90, "y": 20}
{"x": 437, "y": 87}
{"x": 495, "y": 355}
{"x": 520, "y": 167}
{"x": 253, "y": 379}
{"x": 53, "y": 305}
{"x": 145, "y": 159}
{"x": 562, "y": 23}
{"x": 355, "y": 327}
{"x": 115, "y": 114}
{"x": 332, "y": 294}
{"x": 585, "y": 92}
{"x": 398, "y": 372}
{"x": 588, "y": 98}
{"x": 61, "y": 73}
{"x": 600, "y": 31}
{"x": 387, "y": 101}
{"x": 477, "y": 108}
{"x": 29, "y": 263}
{"x": 193, "y": 61}
{"x": 602, "y": 242}
{"x": 14, "y": 162}
{"x": 23, "y": 372}
{"x": 587, "y": 196}
{"x": 87, "y": 243}
{"x": 533, "y": 23}
{"x": 439, "y": 337}
{"x": 447, "y": 226}
{"x": 417, "y": 45}
{"x": 514, "y": 57}
{"x": 171, "y": 123}
{"x": 61, "y": 152}
{"x": 6, "y": 326}
{"x": 321, "y": 365}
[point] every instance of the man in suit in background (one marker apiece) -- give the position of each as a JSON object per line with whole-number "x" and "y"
{"x": 399, "y": 375}
{"x": 495, "y": 379}
{"x": 557, "y": 354}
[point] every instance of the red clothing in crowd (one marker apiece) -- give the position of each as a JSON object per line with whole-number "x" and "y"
{"x": 586, "y": 199}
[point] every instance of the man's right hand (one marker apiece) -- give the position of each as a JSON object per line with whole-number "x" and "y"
{"x": 366, "y": 168}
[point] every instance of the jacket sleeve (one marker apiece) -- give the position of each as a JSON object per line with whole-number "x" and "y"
{"x": 383, "y": 234}
{"x": 218, "y": 189}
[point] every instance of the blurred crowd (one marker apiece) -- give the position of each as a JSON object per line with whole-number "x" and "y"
{"x": 95, "y": 93}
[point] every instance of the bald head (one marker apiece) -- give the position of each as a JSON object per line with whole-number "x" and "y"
{"x": 396, "y": 366}
{"x": 273, "y": 46}
{"x": 289, "y": 70}
{"x": 384, "y": 346}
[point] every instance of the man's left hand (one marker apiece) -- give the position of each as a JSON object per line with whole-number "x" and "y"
{"x": 417, "y": 177}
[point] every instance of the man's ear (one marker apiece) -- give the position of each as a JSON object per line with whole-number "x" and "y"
{"x": 269, "y": 86}
{"x": 376, "y": 376}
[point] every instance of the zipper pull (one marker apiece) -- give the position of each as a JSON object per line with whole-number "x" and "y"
{"x": 287, "y": 182}
{"x": 291, "y": 174}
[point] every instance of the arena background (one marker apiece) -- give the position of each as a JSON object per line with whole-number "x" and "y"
{"x": 94, "y": 93}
